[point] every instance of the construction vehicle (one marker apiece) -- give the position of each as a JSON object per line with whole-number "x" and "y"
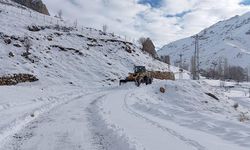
{"x": 140, "y": 75}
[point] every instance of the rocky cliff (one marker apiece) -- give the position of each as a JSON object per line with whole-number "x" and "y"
{"x": 36, "y": 5}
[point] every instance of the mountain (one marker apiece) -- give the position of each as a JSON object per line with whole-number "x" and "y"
{"x": 227, "y": 39}
{"x": 36, "y": 5}
{"x": 59, "y": 50}
{"x": 76, "y": 101}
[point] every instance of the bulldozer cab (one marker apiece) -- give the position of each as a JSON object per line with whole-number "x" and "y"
{"x": 139, "y": 69}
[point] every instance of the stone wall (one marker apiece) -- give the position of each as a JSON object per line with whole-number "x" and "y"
{"x": 162, "y": 75}
{"x": 17, "y": 78}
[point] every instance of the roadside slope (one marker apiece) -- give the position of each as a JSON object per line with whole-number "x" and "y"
{"x": 177, "y": 119}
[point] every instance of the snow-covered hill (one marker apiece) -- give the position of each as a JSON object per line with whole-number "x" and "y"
{"x": 77, "y": 103}
{"x": 61, "y": 53}
{"x": 226, "y": 39}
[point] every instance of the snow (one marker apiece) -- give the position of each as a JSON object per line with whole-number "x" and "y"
{"x": 77, "y": 103}
{"x": 226, "y": 39}
{"x": 60, "y": 128}
{"x": 175, "y": 119}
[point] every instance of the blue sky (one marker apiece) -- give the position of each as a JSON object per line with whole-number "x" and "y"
{"x": 163, "y": 21}
{"x": 152, "y": 3}
{"x": 179, "y": 15}
{"x": 158, "y": 3}
{"x": 244, "y": 2}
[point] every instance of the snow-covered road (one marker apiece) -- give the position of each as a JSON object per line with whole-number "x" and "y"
{"x": 63, "y": 127}
{"x": 143, "y": 133}
{"x": 131, "y": 118}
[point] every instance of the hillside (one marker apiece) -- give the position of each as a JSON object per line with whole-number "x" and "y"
{"x": 77, "y": 102}
{"x": 227, "y": 39}
{"x": 59, "y": 50}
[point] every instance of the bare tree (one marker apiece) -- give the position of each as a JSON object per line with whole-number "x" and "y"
{"x": 27, "y": 44}
{"x": 247, "y": 74}
{"x": 220, "y": 68}
{"x": 166, "y": 59}
{"x": 185, "y": 66}
{"x": 75, "y": 23}
{"x": 226, "y": 69}
{"x": 237, "y": 73}
{"x": 214, "y": 67}
{"x": 60, "y": 13}
{"x": 142, "y": 40}
{"x": 249, "y": 92}
{"x": 104, "y": 28}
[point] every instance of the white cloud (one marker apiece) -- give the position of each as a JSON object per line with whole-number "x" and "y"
{"x": 176, "y": 6}
{"x": 133, "y": 20}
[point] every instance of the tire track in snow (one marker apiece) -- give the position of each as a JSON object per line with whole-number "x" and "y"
{"x": 18, "y": 124}
{"x": 105, "y": 137}
{"x": 63, "y": 139}
{"x": 172, "y": 132}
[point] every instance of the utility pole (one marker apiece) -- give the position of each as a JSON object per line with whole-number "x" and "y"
{"x": 214, "y": 67}
{"x": 196, "y": 62}
{"x": 247, "y": 75}
{"x": 167, "y": 60}
{"x": 197, "y": 56}
{"x": 180, "y": 67}
{"x": 249, "y": 93}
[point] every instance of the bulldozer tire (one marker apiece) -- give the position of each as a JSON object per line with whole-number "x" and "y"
{"x": 137, "y": 82}
{"x": 150, "y": 80}
{"x": 146, "y": 80}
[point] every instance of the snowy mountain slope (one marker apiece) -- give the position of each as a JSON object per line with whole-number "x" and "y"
{"x": 85, "y": 53}
{"x": 226, "y": 39}
{"x": 77, "y": 103}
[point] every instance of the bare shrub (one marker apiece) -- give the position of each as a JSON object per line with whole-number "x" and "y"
{"x": 27, "y": 44}
{"x": 104, "y": 28}
{"x": 60, "y": 13}
{"x": 244, "y": 117}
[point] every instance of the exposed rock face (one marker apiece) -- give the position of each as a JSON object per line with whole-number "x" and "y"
{"x": 17, "y": 78}
{"x": 148, "y": 46}
{"x": 36, "y": 5}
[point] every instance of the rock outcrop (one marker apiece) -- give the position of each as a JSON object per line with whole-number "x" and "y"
{"x": 17, "y": 78}
{"x": 148, "y": 46}
{"x": 36, "y": 5}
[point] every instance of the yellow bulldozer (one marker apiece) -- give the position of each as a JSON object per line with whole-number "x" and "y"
{"x": 141, "y": 75}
